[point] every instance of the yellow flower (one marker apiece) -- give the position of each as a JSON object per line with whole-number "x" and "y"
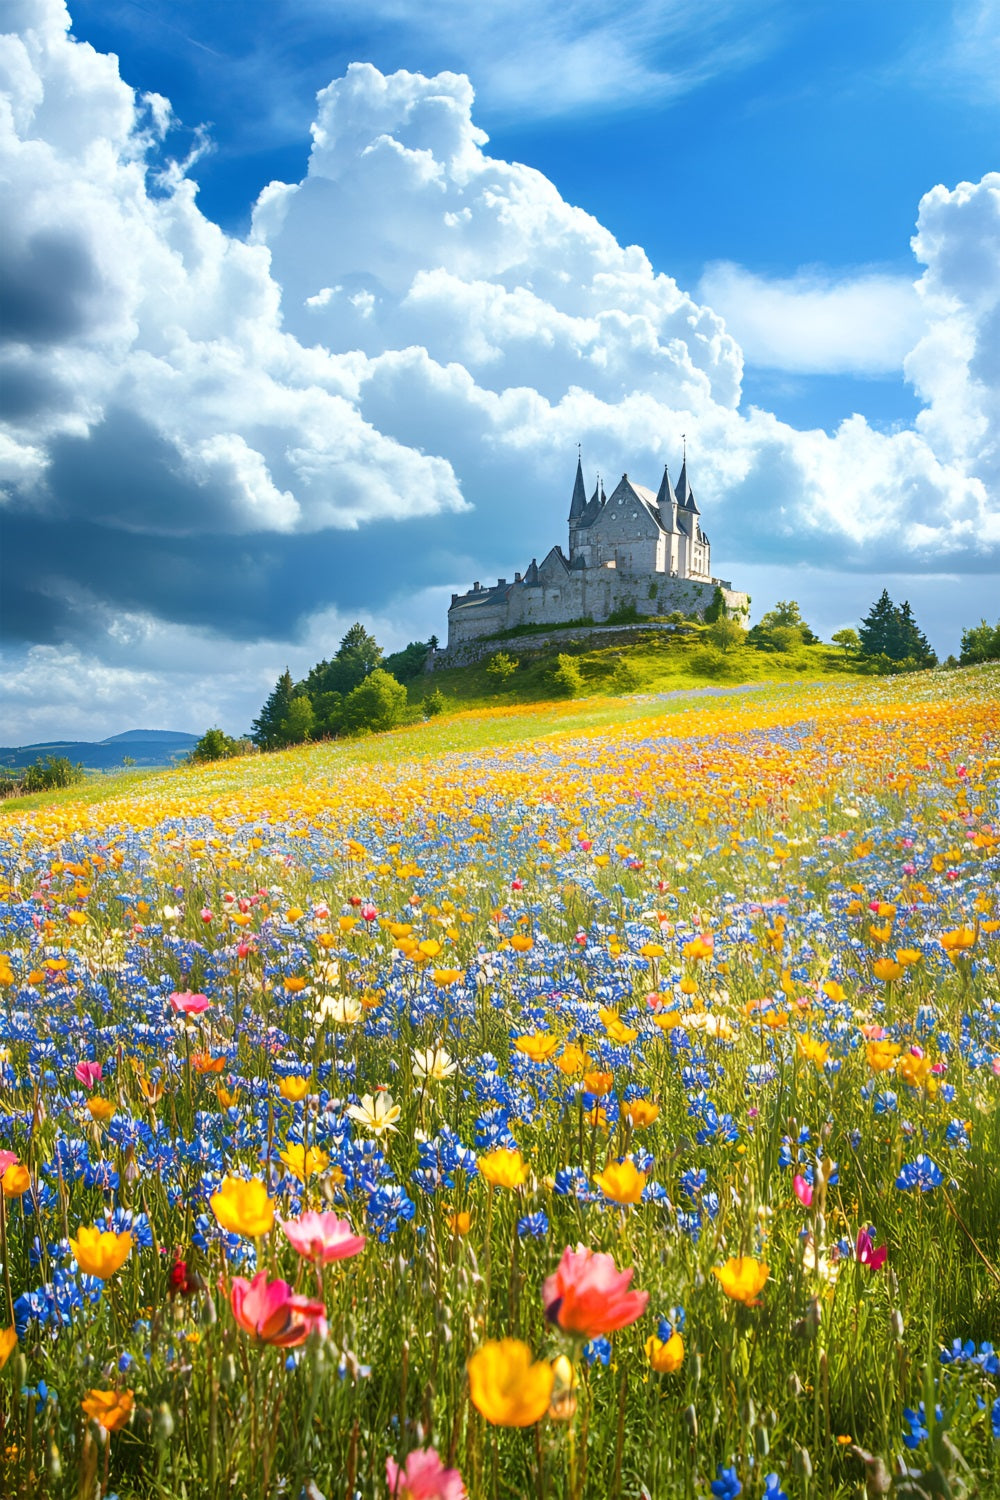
{"x": 101, "y": 1110}
{"x": 460, "y": 1223}
{"x": 304, "y": 1162}
{"x": 881, "y": 1056}
{"x": 641, "y": 1112}
{"x": 111, "y": 1409}
{"x": 503, "y": 1168}
{"x": 742, "y": 1277}
{"x": 294, "y": 1088}
{"x": 813, "y": 1050}
{"x": 621, "y": 1182}
{"x": 100, "y": 1252}
{"x": 243, "y": 1207}
{"x": 521, "y": 944}
{"x": 886, "y": 969}
{"x": 16, "y": 1180}
{"x": 506, "y": 1386}
{"x": 665, "y": 1357}
{"x": 572, "y": 1059}
{"x": 538, "y": 1045}
{"x": 8, "y": 1343}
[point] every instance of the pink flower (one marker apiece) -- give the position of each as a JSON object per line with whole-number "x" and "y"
{"x": 322, "y": 1237}
{"x": 803, "y": 1191}
{"x": 589, "y": 1296}
{"x": 424, "y": 1477}
{"x": 206, "y": 914}
{"x": 369, "y": 912}
{"x": 866, "y": 1253}
{"x": 88, "y": 1073}
{"x": 271, "y": 1312}
{"x": 187, "y": 1004}
{"x": 8, "y": 1159}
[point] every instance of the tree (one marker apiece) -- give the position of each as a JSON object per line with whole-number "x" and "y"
{"x": 357, "y": 657}
{"x": 297, "y": 725}
{"x": 848, "y": 640}
{"x": 215, "y": 745}
{"x": 375, "y": 704}
{"x": 266, "y": 729}
{"x": 725, "y": 633}
{"x": 980, "y": 643}
{"x": 435, "y": 703}
{"x": 782, "y": 629}
{"x": 501, "y": 668}
{"x": 567, "y": 680}
{"x": 408, "y": 664}
{"x": 890, "y": 631}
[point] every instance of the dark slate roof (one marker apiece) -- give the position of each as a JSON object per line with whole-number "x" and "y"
{"x": 594, "y": 505}
{"x": 579, "y": 502}
{"x": 531, "y": 574}
{"x": 685, "y": 494}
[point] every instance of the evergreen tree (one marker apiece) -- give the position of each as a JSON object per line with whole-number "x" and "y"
{"x": 357, "y": 657}
{"x": 266, "y": 731}
{"x": 913, "y": 644}
{"x": 879, "y": 630}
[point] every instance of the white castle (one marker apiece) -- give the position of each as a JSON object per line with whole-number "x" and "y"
{"x": 630, "y": 550}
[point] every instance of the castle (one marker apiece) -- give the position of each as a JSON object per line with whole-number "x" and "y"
{"x": 628, "y": 551}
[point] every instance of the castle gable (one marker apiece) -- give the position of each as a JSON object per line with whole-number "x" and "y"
{"x": 630, "y": 508}
{"x": 553, "y": 566}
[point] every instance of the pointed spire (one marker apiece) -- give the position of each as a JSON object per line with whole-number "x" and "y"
{"x": 666, "y": 502}
{"x": 579, "y": 502}
{"x": 685, "y": 494}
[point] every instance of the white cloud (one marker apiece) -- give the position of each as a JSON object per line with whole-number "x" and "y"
{"x": 413, "y": 329}
{"x": 815, "y": 322}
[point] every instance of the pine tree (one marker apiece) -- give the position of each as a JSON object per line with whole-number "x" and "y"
{"x": 913, "y": 643}
{"x": 358, "y": 654}
{"x": 267, "y": 727}
{"x": 880, "y": 627}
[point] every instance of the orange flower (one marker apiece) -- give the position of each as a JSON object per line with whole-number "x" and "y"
{"x": 741, "y": 1278}
{"x": 665, "y": 1357}
{"x": 101, "y": 1110}
{"x": 8, "y": 1343}
{"x": 503, "y": 1168}
{"x": 16, "y": 1180}
{"x": 621, "y": 1182}
{"x": 506, "y": 1386}
{"x": 460, "y": 1223}
{"x": 572, "y": 1059}
{"x": 641, "y": 1112}
{"x": 294, "y": 1088}
{"x": 598, "y": 1083}
{"x": 539, "y": 1045}
{"x": 111, "y": 1409}
{"x": 881, "y": 1056}
{"x": 886, "y": 969}
{"x": 522, "y": 944}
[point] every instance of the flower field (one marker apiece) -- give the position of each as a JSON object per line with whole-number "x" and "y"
{"x": 611, "y": 1113}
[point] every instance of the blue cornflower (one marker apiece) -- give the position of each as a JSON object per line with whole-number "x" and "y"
{"x": 726, "y": 1486}
{"x": 533, "y": 1226}
{"x": 922, "y": 1173}
{"x": 772, "y": 1488}
{"x": 597, "y": 1351}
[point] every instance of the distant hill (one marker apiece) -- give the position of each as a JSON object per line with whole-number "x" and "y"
{"x": 143, "y": 747}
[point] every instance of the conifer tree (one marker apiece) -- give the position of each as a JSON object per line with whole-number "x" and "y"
{"x": 267, "y": 727}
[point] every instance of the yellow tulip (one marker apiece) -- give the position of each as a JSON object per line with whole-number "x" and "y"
{"x": 665, "y": 1357}
{"x": 294, "y": 1088}
{"x": 506, "y": 1386}
{"x": 742, "y": 1277}
{"x": 504, "y": 1168}
{"x": 100, "y": 1252}
{"x": 243, "y": 1207}
{"x": 304, "y": 1162}
{"x": 621, "y": 1182}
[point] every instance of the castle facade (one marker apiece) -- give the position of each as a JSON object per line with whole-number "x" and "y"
{"x": 632, "y": 549}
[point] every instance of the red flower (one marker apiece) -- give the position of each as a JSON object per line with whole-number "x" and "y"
{"x": 589, "y": 1296}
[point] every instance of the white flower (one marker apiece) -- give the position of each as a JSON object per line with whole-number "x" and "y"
{"x": 342, "y": 1010}
{"x": 377, "y": 1114}
{"x": 433, "y": 1064}
{"x": 171, "y": 913}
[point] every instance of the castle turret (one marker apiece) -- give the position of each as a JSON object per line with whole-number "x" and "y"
{"x": 577, "y": 507}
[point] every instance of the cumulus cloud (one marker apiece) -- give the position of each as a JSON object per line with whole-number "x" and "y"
{"x": 817, "y": 323}
{"x": 380, "y": 391}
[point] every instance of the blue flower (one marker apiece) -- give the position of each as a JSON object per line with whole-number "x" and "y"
{"x": 597, "y": 1352}
{"x": 533, "y": 1226}
{"x": 726, "y": 1486}
{"x": 772, "y": 1488}
{"x": 922, "y": 1173}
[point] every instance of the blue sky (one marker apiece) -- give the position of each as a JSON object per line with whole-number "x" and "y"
{"x": 771, "y": 158}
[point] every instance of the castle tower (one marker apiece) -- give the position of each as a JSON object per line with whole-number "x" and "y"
{"x": 577, "y": 506}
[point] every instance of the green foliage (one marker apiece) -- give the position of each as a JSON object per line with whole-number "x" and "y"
{"x": 215, "y": 745}
{"x": 435, "y": 703}
{"x": 847, "y": 640}
{"x": 297, "y": 725}
{"x": 266, "y": 730}
{"x": 625, "y": 614}
{"x": 357, "y": 655}
{"x": 980, "y": 643}
{"x": 407, "y": 665}
{"x": 44, "y": 775}
{"x": 717, "y": 609}
{"x": 781, "y": 629}
{"x": 501, "y": 668}
{"x": 708, "y": 661}
{"x": 626, "y": 676}
{"x": 567, "y": 679}
{"x": 890, "y": 630}
{"x": 377, "y": 703}
{"x": 725, "y": 634}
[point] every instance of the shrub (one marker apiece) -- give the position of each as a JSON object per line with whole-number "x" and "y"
{"x": 215, "y": 745}
{"x": 567, "y": 679}
{"x": 501, "y": 668}
{"x": 725, "y": 634}
{"x": 980, "y": 643}
{"x": 625, "y": 614}
{"x": 435, "y": 703}
{"x": 717, "y": 609}
{"x": 377, "y": 703}
{"x": 708, "y": 661}
{"x": 49, "y": 774}
{"x": 625, "y": 677}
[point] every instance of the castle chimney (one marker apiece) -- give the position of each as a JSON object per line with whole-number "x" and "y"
{"x": 475, "y": 587}
{"x": 517, "y": 578}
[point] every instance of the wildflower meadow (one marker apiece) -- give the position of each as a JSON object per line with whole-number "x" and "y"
{"x": 578, "y": 1101}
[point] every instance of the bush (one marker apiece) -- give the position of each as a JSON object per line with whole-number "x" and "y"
{"x": 567, "y": 680}
{"x": 501, "y": 668}
{"x": 725, "y": 634}
{"x": 717, "y": 609}
{"x": 980, "y": 643}
{"x": 848, "y": 640}
{"x": 626, "y": 677}
{"x": 435, "y": 703}
{"x": 708, "y": 661}
{"x": 49, "y": 774}
{"x": 377, "y": 703}
{"x": 625, "y": 614}
{"x": 215, "y": 745}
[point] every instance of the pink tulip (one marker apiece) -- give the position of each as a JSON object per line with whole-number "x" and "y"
{"x": 8, "y": 1159}
{"x": 270, "y": 1312}
{"x": 88, "y": 1073}
{"x": 589, "y": 1296}
{"x": 187, "y": 1004}
{"x": 322, "y": 1237}
{"x": 803, "y": 1191}
{"x": 423, "y": 1477}
{"x": 866, "y": 1253}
